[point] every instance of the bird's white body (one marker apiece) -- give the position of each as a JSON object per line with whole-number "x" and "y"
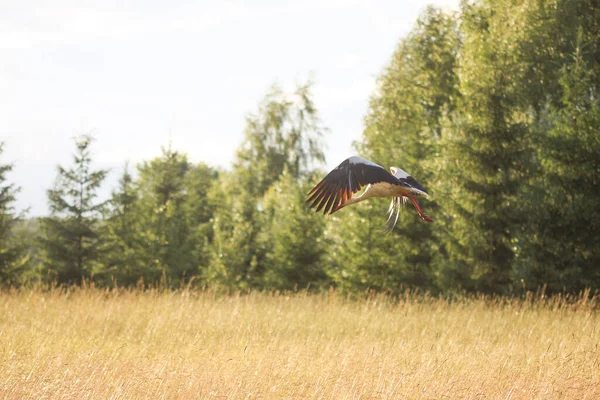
{"x": 380, "y": 189}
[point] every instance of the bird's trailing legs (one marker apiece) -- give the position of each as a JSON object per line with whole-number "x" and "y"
{"x": 421, "y": 214}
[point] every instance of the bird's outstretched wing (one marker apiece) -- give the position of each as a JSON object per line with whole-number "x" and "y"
{"x": 344, "y": 180}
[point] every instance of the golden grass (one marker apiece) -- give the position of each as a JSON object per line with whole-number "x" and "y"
{"x": 130, "y": 344}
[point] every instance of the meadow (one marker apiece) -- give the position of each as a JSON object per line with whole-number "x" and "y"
{"x": 101, "y": 344}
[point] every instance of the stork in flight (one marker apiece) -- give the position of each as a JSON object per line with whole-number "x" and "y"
{"x": 335, "y": 191}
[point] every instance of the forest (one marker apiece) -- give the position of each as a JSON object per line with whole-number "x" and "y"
{"x": 495, "y": 109}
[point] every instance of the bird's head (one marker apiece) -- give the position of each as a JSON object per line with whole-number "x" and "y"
{"x": 406, "y": 178}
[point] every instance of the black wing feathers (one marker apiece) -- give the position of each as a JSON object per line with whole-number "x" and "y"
{"x": 344, "y": 180}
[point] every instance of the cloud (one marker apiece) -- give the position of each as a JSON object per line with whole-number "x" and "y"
{"x": 138, "y": 73}
{"x": 35, "y": 23}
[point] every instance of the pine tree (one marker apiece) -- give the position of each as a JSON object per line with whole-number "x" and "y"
{"x": 12, "y": 253}
{"x": 404, "y": 123}
{"x": 293, "y": 237}
{"x": 124, "y": 261}
{"x": 235, "y": 253}
{"x": 164, "y": 228}
{"x": 562, "y": 250}
{"x": 486, "y": 152}
{"x": 561, "y": 50}
{"x": 362, "y": 257}
{"x": 199, "y": 211}
{"x": 71, "y": 235}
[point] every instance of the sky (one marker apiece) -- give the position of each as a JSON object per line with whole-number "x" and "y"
{"x": 138, "y": 75}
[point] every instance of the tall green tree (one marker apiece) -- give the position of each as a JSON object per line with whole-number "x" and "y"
{"x": 125, "y": 259}
{"x": 166, "y": 232}
{"x": 415, "y": 94}
{"x": 487, "y": 154}
{"x": 160, "y": 226}
{"x": 562, "y": 248}
{"x": 71, "y": 237}
{"x": 12, "y": 253}
{"x": 199, "y": 210}
{"x": 561, "y": 48}
{"x": 284, "y": 134}
{"x": 293, "y": 236}
{"x": 236, "y": 257}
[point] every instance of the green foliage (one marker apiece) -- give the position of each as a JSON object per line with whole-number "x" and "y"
{"x": 293, "y": 237}
{"x": 495, "y": 110}
{"x": 71, "y": 235}
{"x": 27, "y": 233}
{"x": 284, "y": 135}
{"x": 159, "y": 227}
{"x": 403, "y": 126}
{"x": 199, "y": 211}
{"x": 563, "y": 245}
{"x": 362, "y": 256}
{"x": 165, "y": 231}
{"x": 12, "y": 252}
{"x": 235, "y": 253}
{"x": 489, "y": 148}
{"x": 498, "y": 119}
{"x": 124, "y": 260}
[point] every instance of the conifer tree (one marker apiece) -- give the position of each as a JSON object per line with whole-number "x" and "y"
{"x": 12, "y": 255}
{"x": 486, "y": 154}
{"x": 125, "y": 261}
{"x": 199, "y": 210}
{"x": 415, "y": 94}
{"x": 165, "y": 230}
{"x": 363, "y": 257}
{"x": 293, "y": 237}
{"x": 71, "y": 234}
{"x": 562, "y": 249}
{"x": 235, "y": 254}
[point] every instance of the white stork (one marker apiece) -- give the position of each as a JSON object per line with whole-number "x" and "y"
{"x": 336, "y": 189}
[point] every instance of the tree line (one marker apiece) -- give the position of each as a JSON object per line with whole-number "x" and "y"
{"x": 495, "y": 109}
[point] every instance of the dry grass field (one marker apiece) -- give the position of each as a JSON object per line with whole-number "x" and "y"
{"x": 89, "y": 343}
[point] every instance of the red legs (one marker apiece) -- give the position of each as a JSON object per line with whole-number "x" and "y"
{"x": 346, "y": 196}
{"x": 421, "y": 214}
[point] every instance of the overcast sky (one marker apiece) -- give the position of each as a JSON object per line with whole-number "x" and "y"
{"x": 136, "y": 74}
